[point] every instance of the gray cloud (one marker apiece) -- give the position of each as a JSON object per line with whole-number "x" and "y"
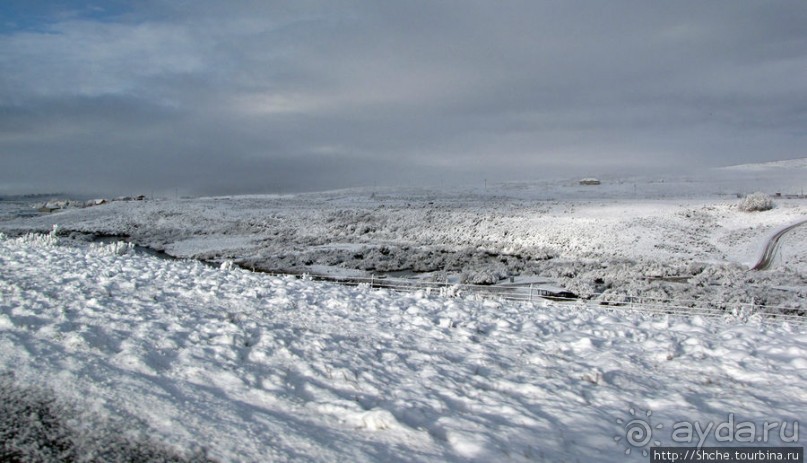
{"x": 252, "y": 96}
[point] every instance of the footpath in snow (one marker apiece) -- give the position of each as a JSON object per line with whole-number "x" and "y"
{"x": 250, "y": 367}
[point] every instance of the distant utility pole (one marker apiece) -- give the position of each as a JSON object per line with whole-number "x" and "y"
{"x": 486, "y": 184}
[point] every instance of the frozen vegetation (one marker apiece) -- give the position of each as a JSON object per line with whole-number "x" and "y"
{"x": 115, "y": 348}
{"x": 756, "y": 202}
{"x": 686, "y": 242}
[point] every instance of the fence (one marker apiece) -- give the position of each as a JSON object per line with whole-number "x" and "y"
{"x": 527, "y": 293}
{"x": 745, "y": 311}
{"x": 533, "y": 293}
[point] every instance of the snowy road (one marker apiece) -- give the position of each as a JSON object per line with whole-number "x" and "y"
{"x": 772, "y": 246}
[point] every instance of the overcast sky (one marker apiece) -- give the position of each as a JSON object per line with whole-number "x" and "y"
{"x": 221, "y": 97}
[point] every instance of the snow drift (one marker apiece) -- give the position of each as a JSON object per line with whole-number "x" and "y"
{"x": 230, "y": 365}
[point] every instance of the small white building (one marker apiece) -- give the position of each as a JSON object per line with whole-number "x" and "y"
{"x": 589, "y": 181}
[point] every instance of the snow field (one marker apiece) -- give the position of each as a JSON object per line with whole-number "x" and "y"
{"x": 258, "y": 227}
{"x": 684, "y": 251}
{"x": 259, "y": 368}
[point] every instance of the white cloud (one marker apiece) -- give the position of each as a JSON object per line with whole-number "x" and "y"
{"x": 405, "y": 87}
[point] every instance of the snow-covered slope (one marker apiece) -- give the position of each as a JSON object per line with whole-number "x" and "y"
{"x": 257, "y": 368}
{"x": 800, "y": 163}
{"x": 788, "y": 177}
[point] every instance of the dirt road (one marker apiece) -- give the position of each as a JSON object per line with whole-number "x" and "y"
{"x": 772, "y": 246}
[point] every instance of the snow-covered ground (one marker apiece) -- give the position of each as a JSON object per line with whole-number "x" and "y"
{"x": 249, "y": 367}
{"x": 222, "y": 362}
{"x": 682, "y": 240}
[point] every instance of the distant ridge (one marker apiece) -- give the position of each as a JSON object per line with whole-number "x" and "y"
{"x": 32, "y": 196}
{"x": 800, "y": 163}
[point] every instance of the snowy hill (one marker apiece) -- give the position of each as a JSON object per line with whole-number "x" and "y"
{"x": 788, "y": 177}
{"x": 247, "y": 367}
{"x": 785, "y": 164}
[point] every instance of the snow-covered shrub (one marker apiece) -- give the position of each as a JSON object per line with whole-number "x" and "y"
{"x": 38, "y": 239}
{"x": 118, "y": 248}
{"x": 478, "y": 277}
{"x": 484, "y": 276}
{"x": 614, "y": 297}
{"x": 756, "y": 202}
{"x": 227, "y": 265}
{"x": 450, "y": 291}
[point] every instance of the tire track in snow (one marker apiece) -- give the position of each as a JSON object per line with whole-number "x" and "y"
{"x": 772, "y": 246}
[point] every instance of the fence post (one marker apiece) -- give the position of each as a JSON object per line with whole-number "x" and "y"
{"x": 530, "y": 292}
{"x": 372, "y": 277}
